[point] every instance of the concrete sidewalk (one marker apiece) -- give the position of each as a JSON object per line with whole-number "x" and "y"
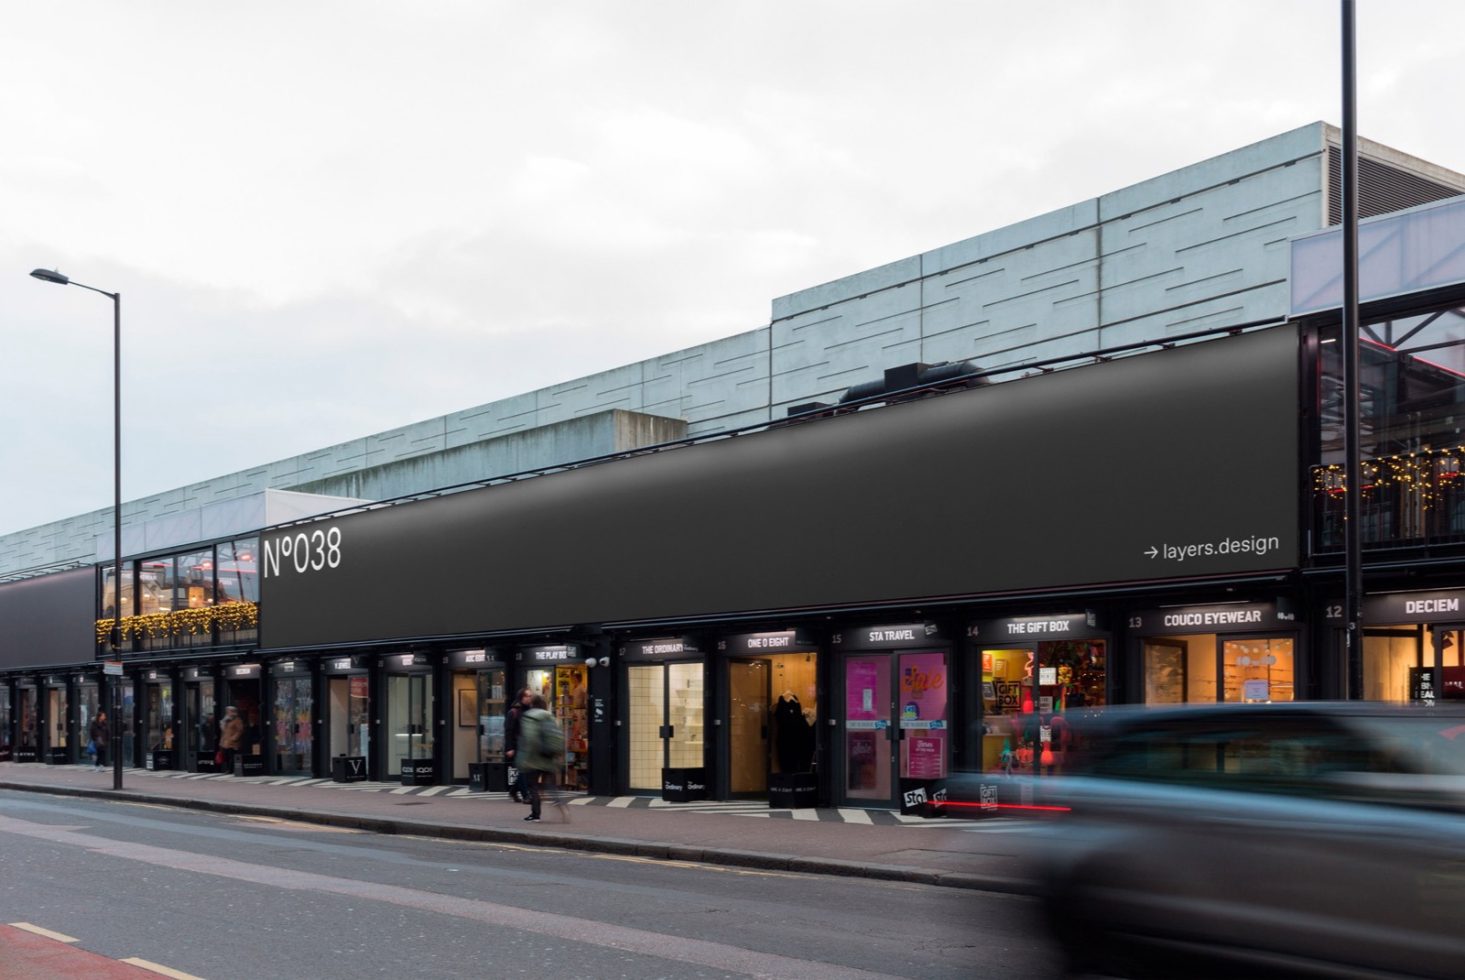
{"x": 979, "y": 854}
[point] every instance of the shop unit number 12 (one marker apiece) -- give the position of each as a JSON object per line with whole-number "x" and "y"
{"x": 311, "y": 551}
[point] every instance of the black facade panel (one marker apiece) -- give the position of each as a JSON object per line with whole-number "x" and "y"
{"x": 49, "y": 620}
{"x": 1174, "y": 464}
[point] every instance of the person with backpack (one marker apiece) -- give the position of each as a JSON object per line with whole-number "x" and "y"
{"x": 540, "y": 753}
{"x": 512, "y": 726}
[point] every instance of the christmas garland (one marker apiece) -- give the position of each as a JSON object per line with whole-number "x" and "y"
{"x": 227, "y": 616}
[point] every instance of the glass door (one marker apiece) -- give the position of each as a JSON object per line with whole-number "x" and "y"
{"x": 201, "y": 733}
{"x": 895, "y": 723}
{"x": 665, "y": 717}
{"x": 749, "y": 695}
{"x": 1165, "y": 674}
{"x": 868, "y": 757}
{"x": 350, "y": 727}
{"x": 409, "y": 720}
{"x": 56, "y": 727}
{"x": 294, "y": 716}
{"x": 924, "y": 747}
{"x": 159, "y": 717}
{"x": 26, "y": 739}
{"x": 5, "y": 736}
{"x": 128, "y": 725}
{"x": 88, "y": 703}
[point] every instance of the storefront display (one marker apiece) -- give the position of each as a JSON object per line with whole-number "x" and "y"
{"x": 6, "y": 752}
{"x": 479, "y": 698}
{"x": 665, "y": 713}
{"x": 57, "y": 721}
{"x": 896, "y": 711}
{"x": 294, "y": 718}
{"x": 1413, "y": 645}
{"x": 557, "y": 674}
{"x": 1045, "y": 666}
{"x": 1217, "y": 653}
{"x": 243, "y": 686}
{"x": 158, "y": 721}
{"x": 772, "y": 712}
{"x": 411, "y": 717}
{"x": 347, "y": 718}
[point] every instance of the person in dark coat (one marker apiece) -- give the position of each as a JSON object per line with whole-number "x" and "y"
{"x": 99, "y": 733}
{"x": 513, "y": 724}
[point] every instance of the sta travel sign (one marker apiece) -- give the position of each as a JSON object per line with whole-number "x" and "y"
{"x": 1168, "y": 465}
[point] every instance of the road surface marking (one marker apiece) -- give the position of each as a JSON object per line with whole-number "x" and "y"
{"x": 159, "y": 968}
{"x": 570, "y": 928}
{"x": 60, "y": 937}
{"x": 434, "y": 790}
{"x": 849, "y": 815}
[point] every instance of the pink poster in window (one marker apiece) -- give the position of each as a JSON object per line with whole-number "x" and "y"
{"x": 925, "y": 755}
{"x": 922, "y": 687}
{"x": 862, "y": 684}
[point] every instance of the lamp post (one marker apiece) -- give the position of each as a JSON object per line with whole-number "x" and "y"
{"x": 49, "y": 275}
{"x": 1352, "y": 443}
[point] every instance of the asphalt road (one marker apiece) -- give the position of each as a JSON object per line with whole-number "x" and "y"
{"x": 216, "y": 896}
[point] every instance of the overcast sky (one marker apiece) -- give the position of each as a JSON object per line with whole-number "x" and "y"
{"x": 328, "y": 219}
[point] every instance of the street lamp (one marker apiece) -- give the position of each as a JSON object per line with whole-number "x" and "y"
{"x": 50, "y": 275}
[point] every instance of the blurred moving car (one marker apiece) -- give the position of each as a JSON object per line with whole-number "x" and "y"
{"x": 1324, "y": 839}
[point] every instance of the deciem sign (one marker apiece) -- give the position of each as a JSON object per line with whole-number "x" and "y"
{"x": 304, "y": 551}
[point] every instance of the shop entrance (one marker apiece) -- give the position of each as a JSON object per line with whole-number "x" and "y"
{"x": 5, "y": 722}
{"x": 294, "y": 721}
{"x": 201, "y": 730}
{"x": 409, "y": 721}
{"x": 57, "y": 743}
{"x": 349, "y": 705}
{"x": 564, "y": 689}
{"x": 1210, "y": 667}
{"x": 88, "y": 703}
{"x": 245, "y": 695}
{"x": 665, "y": 713}
{"x": 158, "y": 722}
{"x": 772, "y": 717}
{"x": 479, "y": 701}
{"x": 895, "y": 722}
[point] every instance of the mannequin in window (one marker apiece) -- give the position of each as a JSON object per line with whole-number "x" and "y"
{"x": 794, "y": 736}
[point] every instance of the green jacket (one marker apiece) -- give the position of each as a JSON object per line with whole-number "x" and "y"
{"x": 531, "y": 753}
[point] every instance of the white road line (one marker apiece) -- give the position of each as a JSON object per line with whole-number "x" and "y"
{"x": 158, "y": 968}
{"x": 434, "y": 790}
{"x": 60, "y": 937}
{"x": 621, "y": 801}
{"x": 849, "y": 815}
{"x": 806, "y": 814}
{"x": 400, "y": 790}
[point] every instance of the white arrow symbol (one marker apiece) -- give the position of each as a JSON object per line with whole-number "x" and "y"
{"x": 1152, "y": 552}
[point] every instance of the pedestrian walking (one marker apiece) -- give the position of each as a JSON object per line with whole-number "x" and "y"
{"x": 513, "y": 723}
{"x": 99, "y": 734}
{"x": 231, "y": 736}
{"x": 541, "y": 751}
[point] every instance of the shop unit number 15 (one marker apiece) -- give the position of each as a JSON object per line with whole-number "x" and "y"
{"x": 307, "y": 551}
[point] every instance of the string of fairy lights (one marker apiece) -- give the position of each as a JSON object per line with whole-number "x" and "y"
{"x": 1424, "y": 475}
{"x": 227, "y": 616}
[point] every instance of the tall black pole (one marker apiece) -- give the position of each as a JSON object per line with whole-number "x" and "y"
{"x": 1353, "y": 526}
{"x": 117, "y": 535}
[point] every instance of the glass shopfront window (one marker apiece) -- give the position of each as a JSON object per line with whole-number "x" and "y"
{"x": 1210, "y": 667}
{"x": 1411, "y": 402}
{"x": 237, "y": 580}
{"x": 56, "y": 718}
{"x": 158, "y": 716}
{"x": 1026, "y": 693}
{"x": 108, "y": 590}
